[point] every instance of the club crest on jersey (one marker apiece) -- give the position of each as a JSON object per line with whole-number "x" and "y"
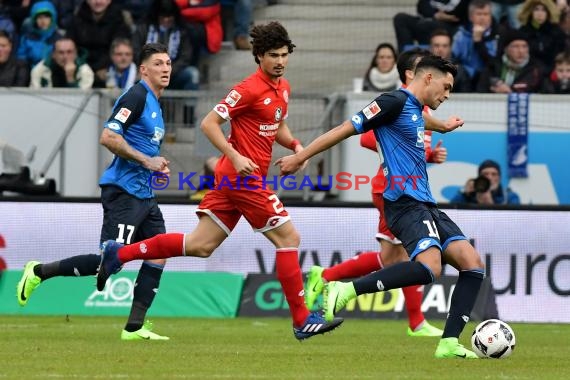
{"x": 278, "y": 114}
{"x": 158, "y": 134}
{"x": 371, "y": 110}
{"x": 123, "y": 115}
{"x": 232, "y": 98}
{"x": 286, "y": 96}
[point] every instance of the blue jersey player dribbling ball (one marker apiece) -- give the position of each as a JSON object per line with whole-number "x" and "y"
{"x": 428, "y": 235}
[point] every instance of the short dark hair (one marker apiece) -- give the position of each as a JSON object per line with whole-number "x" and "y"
{"x": 269, "y": 36}
{"x": 435, "y": 62}
{"x": 5, "y": 34}
{"x": 440, "y": 32}
{"x": 407, "y": 61}
{"x": 150, "y": 49}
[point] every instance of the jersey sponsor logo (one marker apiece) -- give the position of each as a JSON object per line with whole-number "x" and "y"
{"x": 123, "y": 115}
{"x": 267, "y": 101}
{"x": 371, "y": 110}
{"x": 286, "y": 96}
{"x": 153, "y": 115}
{"x": 414, "y": 117}
{"x": 232, "y": 98}
{"x": 357, "y": 121}
{"x": 420, "y": 140}
{"x": 278, "y": 115}
{"x": 114, "y": 126}
{"x": 222, "y": 110}
{"x": 158, "y": 135}
{"x": 268, "y": 129}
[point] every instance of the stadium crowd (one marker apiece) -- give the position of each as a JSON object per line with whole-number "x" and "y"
{"x": 103, "y": 38}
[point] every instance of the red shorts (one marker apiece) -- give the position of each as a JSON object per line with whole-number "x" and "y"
{"x": 384, "y": 232}
{"x": 260, "y": 207}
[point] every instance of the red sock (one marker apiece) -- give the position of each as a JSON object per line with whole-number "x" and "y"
{"x": 161, "y": 246}
{"x": 364, "y": 263}
{"x": 291, "y": 279}
{"x": 414, "y": 295}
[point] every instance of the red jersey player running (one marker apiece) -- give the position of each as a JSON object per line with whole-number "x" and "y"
{"x": 391, "y": 248}
{"x": 257, "y": 108}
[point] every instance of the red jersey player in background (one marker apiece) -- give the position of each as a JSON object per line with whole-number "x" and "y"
{"x": 391, "y": 248}
{"x": 256, "y": 109}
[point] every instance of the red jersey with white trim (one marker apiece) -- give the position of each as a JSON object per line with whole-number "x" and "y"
{"x": 255, "y": 108}
{"x": 368, "y": 140}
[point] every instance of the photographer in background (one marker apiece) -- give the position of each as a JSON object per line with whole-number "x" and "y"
{"x": 486, "y": 189}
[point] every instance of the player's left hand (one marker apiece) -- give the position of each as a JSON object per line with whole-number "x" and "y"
{"x": 453, "y": 123}
{"x": 288, "y": 164}
{"x": 439, "y": 153}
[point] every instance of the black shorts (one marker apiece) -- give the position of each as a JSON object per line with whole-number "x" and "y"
{"x": 420, "y": 225}
{"x": 128, "y": 219}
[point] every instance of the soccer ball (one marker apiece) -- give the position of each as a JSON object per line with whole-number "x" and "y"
{"x": 493, "y": 339}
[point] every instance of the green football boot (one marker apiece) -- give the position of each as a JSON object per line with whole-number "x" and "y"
{"x": 450, "y": 348}
{"x": 315, "y": 285}
{"x": 144, "y": 333}
{"x": 28, "y": 283}
{"x": 336, "y": 295}
{"x": 426, "y": 330}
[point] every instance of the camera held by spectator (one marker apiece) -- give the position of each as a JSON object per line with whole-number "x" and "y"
{"x": 486, "y": 189}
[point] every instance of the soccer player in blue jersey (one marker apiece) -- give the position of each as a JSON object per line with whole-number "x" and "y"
{"x": 429, "y": 236}
{"x": 134, "y": 134}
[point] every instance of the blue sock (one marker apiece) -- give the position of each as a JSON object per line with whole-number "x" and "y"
{"x": 393, "y": 277}
{"x": 462, "y": 301}
{"x": 146, "y": 287}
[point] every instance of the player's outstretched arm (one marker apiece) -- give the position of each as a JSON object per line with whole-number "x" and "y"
{"x": 290, "y": 164}
{"x": 285, "y": 138}
{"x": 442, "y": 126}
{"x": 120, "y": 147}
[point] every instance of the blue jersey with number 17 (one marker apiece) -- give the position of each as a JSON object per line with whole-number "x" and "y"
{"x": 396, "y": 118}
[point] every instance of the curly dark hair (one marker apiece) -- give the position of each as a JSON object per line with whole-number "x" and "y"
{"x": 269, "y": 36}
{"x": 438, "y": 63}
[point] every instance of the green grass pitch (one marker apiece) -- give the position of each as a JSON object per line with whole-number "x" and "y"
{"x": 247, "y": 348}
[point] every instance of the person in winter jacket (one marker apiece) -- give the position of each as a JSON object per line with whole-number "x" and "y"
{"x": 37, "y": 42}
{"x": 63, "y": 68}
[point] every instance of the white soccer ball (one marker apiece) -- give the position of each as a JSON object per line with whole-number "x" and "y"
{"x": 493, "y": 339}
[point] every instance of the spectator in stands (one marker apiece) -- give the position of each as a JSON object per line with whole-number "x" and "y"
{"x": 565, "y": 27}
{"x": 242, "y": 17}
{"x": 138, "y": 9}
{"x": 382, "y": 74}
{"x": 539, "y": 20}
{"x": 16, "y": 11}
{"x": 65, "y": 10}
{"x": 206, "y": 15}
{"x": 507, "y": 10}
{"x": 37, "y": 41}
{"x": 95, "y": 25}
{"x": 13, "y": 72}
{"x": 122, "y": 73}
{"x": 440, "y": 44}
{"x": 559, "y": 80}
{"x": 486, "y": 189}
{"x": 514, "y": 70}
{"x": 475, "y": 44}
{"x": 165, "y": 25}
{"x": 63, "y": 68}
{"x": 432, "y": 14}
{"x": 6, "y": 23}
